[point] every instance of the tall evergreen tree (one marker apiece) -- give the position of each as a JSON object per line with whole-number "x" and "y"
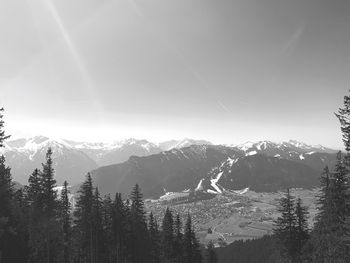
{"x": 107, "y": 219}
{"x": 139, "y": 231}
{"x": 99, "y": 253}
{"x": 7, "y": 229}
{"x": 3, "y": 137}
{"x": 301, "y": 228}
{"x": 154, "y": 239}
{"x": 50, "y": 224}
{"x": 65, "y": 210}
{"x": 45, "y": 236}
{"x": 121, "y": 230}
{"x": 48, "y": 182}
{"x": 285, "y": 226}
{"x": 34, "y": 188}
{"x": 36, "y": 234}
{"x": 320, "y": 246}
{"x": 342, "y": 177}
{"x": 20, "y": 215}
{"x": 168, "y": 253}
{"x": 178, "y": 243}
{"x": 192, "y": 253}
{"x": 323, "y": 199}
{"x": 331, "y": 234}
{"x": 83, "y": 223}
{"x": 343, "y": 116}
{"x": 340, "y": 189}
{"x": 6, "y": 191}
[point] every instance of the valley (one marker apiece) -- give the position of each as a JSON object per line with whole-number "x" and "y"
{"x": 230, "y": 216}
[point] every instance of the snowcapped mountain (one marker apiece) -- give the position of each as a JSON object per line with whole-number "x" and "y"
{"x": 178, "y": 144}
{"x": 115, "y": 152}
{"x": 188, "y": 164}
{"x": 283, "y": 148}
{"x": 213, "y": 169}
{"x": 24, "y": 155}
{"x": 169, "y": 171}
{"x": 73, "y": 159}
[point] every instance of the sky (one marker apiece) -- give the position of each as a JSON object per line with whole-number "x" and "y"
{"x": 227, "y": 71}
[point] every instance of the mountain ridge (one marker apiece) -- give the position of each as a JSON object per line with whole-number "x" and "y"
{"x": 73, "y": 159}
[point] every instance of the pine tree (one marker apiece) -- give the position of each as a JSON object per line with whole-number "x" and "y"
{"x": 46, "y": 241}
{"x": 178, "y": 243}
{"x": 139, "y": 231}
{"x": 192, "y": 253}
{"x": 168, "y": 253}
{"x": 331, "y": 233}
{"x": 324, "y": 198}
{"x": 121, "y": 230}
{"x": 210, "y": 253}
{"x": 3, "y": 137}
{"x": 343, "y": 116}
{"x": 6, "y": 192}
{"x": 342, "y": 178}
{"x": 340, "y": 189}
{"x": 301, "y": 228}
{"x": 48, "y": 182}
{"x": 50, "y": 224}
{"x": 99, "y": 253}
{"x": 285, "y": 226}
{"x": 154, "y": 239}
{"x": 6, "y": 217}
{"x": 107, "y": 219}
{"x": 322, "y": 237}
{"x": 66, "y": 222}
{"x": 20, "y": 215}
{"x": 34, "y": 188}
{"x": 83, "y": 223}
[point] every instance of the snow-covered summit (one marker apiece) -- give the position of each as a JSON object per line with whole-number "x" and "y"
{"x": 35, "y": 144}
{"x": 178, "y": 144}
{"x": 287, "y": 146}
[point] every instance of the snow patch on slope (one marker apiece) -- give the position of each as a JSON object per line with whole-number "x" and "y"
{"x": 213, "y": 182}
{"x": 199, "y": 186}
{"x": 241, "y": 192}
{"x": 251, "y": 153}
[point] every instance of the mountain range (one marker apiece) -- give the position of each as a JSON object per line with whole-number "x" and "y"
{"x": 171, "y": 166}
{"x": 72, "y": 160}
{"x": 213, "y": 169}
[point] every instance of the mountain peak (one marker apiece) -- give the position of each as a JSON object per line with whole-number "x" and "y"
{"x": 185, "y": 142}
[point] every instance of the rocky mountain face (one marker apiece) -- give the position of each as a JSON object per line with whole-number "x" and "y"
{"x": 262, "y": 166}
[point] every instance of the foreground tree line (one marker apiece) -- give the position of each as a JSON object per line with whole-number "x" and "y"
{"x": 329, "y": 240}
{"x": 38, "y": 225}
{"x": 293, "y": 241}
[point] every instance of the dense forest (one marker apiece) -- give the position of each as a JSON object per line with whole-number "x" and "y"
{"x": 39, "y": 225}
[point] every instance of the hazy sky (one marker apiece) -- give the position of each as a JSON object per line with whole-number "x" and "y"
{"x": 226, "y": 71}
